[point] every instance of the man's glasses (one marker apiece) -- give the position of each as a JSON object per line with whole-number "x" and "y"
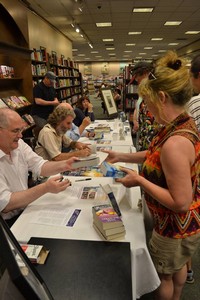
{"x": 152, "y": 76}
{"x": 15, "y": 131}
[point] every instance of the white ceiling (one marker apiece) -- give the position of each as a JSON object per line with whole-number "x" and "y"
{"x": 61, "y": 13}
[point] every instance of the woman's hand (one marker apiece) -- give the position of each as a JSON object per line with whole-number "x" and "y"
{"x": 112, "y": 156}
{"x": 131, "y": 178}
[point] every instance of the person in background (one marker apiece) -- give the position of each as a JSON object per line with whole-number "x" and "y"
{"x": 84, "y": 108}
{"x": 52, "y": 137}
{"x": 76, "y": 132}
{"x": 194, "y": 103}
{"x": 117, "y": 97}
{"x": 16, "y": 160}
{"x": 170, "y": 175}
{"x": 143, "y": 120}
{"x": 194, "y": 110}
{"x": 45, "y": 99}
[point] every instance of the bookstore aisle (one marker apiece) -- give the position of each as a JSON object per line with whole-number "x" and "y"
{"x": 190, "y": 291}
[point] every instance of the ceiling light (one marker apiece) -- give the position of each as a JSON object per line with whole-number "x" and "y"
{"x": 130, "y": 44}
{"x": 128, "y": 51}
{"x": 90, "y": 45}
{"x": 156, "y": 39}
{"x": 192, "y": 32}
{"x": 110, "y": 48}
{"x": 162, "y": 50}
{"x": 77, "y": 29}
{"x": 74, "y": 49}
{"x": 143, "y": 9}
{"x": 81, "y": 54}
{"x": 148, "y": 48}
{"x": 173, "y": 44}
{"x": 142, "y": 53}
{"x": 108, "y": 40}
{"x": 172, "y": 23}
{"x": 94, "y": 52}
{"x": 135, "y": 32}
{"x": 108, "y": 24}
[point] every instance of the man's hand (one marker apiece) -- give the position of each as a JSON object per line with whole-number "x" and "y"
{"x": 55, "y": 185}
{"x": 55, "y": 102}
{"x": 81, "y": 146}
{"x": 83, "y": 153}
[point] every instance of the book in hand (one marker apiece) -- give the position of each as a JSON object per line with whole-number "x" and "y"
{"x": 89, "y": 161}
{"x": 36, "y": 253}
{"x": 105, "y": 217}
{"x": 110, "y": 170}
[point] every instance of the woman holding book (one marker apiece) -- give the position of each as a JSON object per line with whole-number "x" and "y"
{"x": 170, "y": 174}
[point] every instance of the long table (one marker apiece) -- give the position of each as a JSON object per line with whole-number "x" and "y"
{"x": 144, "y": 275}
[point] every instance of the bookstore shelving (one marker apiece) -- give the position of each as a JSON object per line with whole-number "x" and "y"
{"x": 130, "y": 93}
{"x": 69, "y": 79}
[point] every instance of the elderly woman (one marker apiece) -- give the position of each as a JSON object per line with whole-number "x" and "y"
{"x": 84, "y": 108}
{"x": 170, "y": 174}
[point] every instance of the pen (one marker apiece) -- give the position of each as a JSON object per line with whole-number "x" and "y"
{"x": 83, "y": 179}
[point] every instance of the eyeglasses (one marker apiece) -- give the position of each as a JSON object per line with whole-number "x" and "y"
{"x": 15, "y": 131}
{"x": 152, "y": 76}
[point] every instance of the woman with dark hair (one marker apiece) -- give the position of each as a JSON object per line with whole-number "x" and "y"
{"x": 84, "y": 108}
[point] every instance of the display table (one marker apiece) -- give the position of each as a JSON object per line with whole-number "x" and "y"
{"x": 29, "y": 224}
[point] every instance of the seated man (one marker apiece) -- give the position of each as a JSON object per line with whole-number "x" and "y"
{"x": 16, "y": 160}
{"x": 52, "y": 137}
{"x": 76, "y": 132}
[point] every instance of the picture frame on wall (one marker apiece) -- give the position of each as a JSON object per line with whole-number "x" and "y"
{"x": 109, "y": 102}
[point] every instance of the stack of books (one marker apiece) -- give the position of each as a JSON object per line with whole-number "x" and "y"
{"x": 107, "y": 223}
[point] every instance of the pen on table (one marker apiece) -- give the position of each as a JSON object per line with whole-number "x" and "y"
{"x": 83, "y": 179}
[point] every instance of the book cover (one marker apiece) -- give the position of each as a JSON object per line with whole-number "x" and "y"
{"x": 110, "y": 170}
{"x": 93, "y": 171}
{"x": 115, "y": 236}
{"x": 9, "y": 102}
{"x": 92, "y": 193}
{"x": 36, "y": 253}
{"x": 17, "y": 101}
{"x": 24, "y": 100}
{"x": 89, "y": 161}
{"x": 106, "y": 217}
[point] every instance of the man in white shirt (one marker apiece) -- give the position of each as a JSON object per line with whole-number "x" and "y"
{"x": 16, "y": 160}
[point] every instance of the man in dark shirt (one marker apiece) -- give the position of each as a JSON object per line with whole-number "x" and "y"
{"x": 45, "y": 99}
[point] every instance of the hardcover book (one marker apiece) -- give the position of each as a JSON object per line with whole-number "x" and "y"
{"x": 36, "y": 253}
{"x": 105, "y": 217}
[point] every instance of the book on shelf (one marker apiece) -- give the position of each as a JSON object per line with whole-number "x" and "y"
{"x": 119, "y": 235}
{"x": 28, "y": 119}
{"x": 9, "y": 102}
{"x": 105, "y": 217}
{"x": 24, "y": 100}
{"x": 2, "y": 104}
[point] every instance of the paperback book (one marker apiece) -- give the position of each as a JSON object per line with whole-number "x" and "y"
{"x": 105, "y": 217}
{"x": 111, "y": 237}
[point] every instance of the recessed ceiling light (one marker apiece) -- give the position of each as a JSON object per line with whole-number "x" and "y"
{"x": 143, "y": 9}
{"x": 112, "y": 54}
{"x": 94, "y": 52}
{"x": 74, "y": 50}
{"x": 135, "y": 32}
{"x": 108, "y": 24}
{"x": 98, "y": 56}
{"x": 172, "y": 23}
{"x": 138, "y": 57}
{"x": 81, "y": 54}
{"x": 142, "y": 53}
{"x": 148, "y": 48}
{"x": 173, "y": 44}
{"x": 156, "y": 39}
{"x": 130, "y": 44}
{"x": 192, "y": 32}
{"x": 162, "y": 50}
{"x": 128, "y": 51}
{"x": 108, "y": 40}
{"x": 110, "y": 48}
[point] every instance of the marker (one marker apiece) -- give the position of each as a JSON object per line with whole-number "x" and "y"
{"x": 83, "y": 179}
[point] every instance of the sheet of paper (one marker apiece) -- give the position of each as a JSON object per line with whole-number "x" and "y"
{"x": 52, "y": 216}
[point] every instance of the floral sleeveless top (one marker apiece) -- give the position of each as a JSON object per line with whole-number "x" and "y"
{"x": 167, "y": 222}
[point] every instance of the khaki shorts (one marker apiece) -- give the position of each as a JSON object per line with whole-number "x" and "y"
{"x": 170, "y": 255}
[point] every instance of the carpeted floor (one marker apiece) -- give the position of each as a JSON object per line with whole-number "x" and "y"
{"x": 190, "y": 291}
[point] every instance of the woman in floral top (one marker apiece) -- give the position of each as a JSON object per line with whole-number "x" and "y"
{"x": 170, "y": 175}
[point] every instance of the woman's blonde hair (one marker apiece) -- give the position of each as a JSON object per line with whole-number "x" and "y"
{"x": 170, "y": 76}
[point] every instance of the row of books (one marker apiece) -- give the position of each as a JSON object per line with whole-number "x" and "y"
{"x": 14, "y": 102}
{"x": 6, "y": 71}
{"x": 107, "y": 222}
